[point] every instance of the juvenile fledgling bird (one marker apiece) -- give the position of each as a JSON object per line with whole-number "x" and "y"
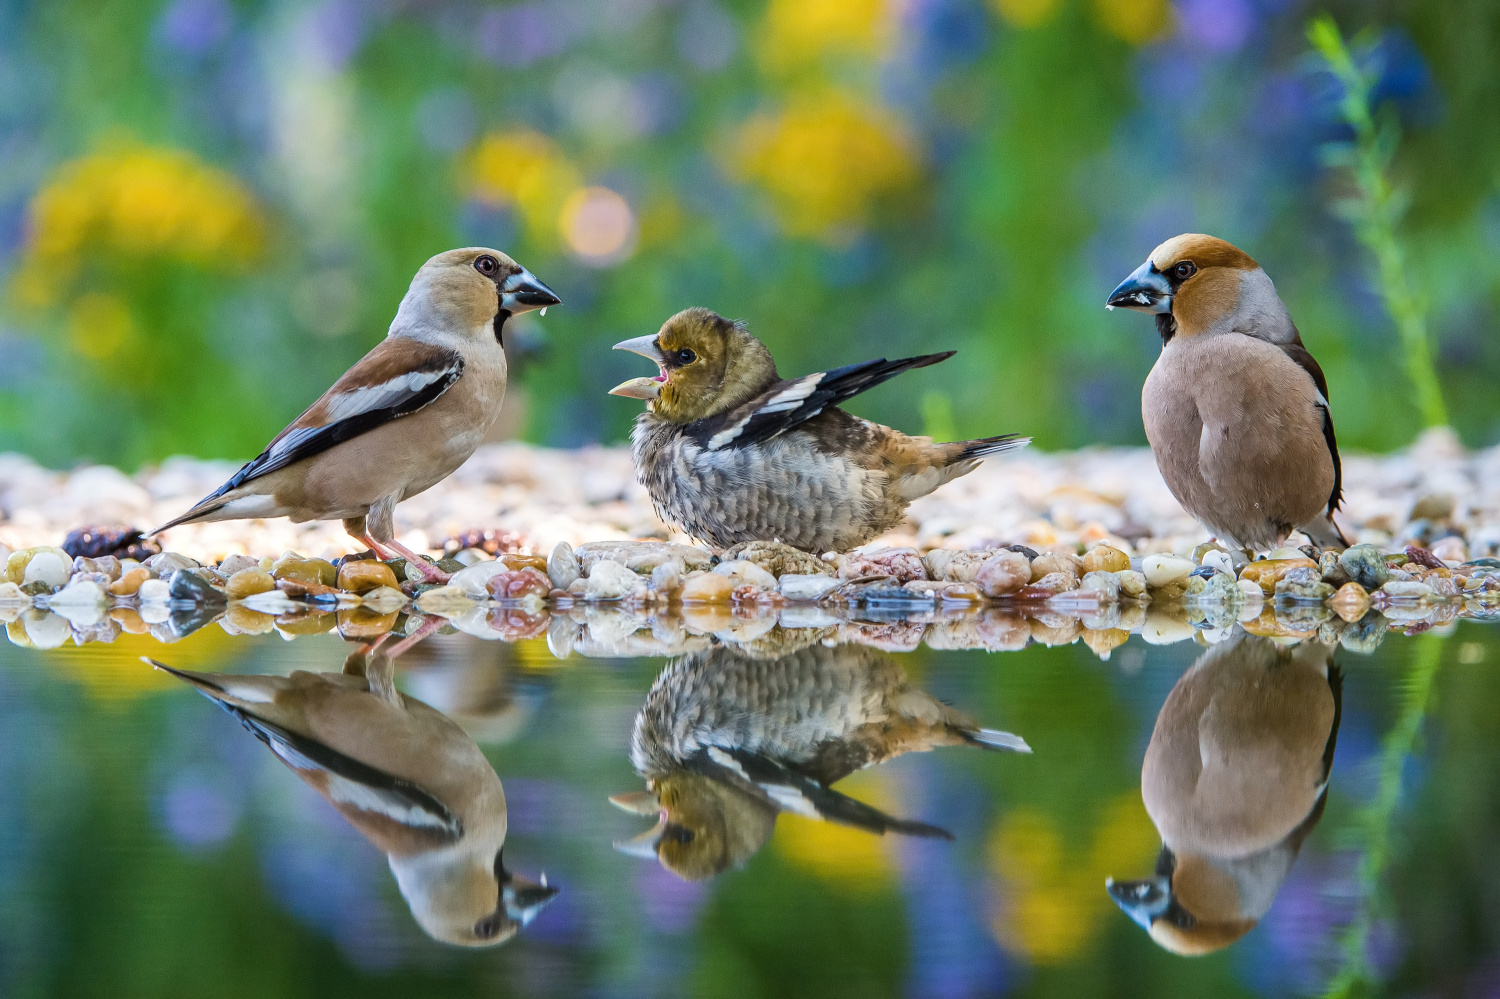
{"x": 1235, "y": 778}
{"x": 406, "y": 777}
{"x": 727, "y": 740}
{"x": 732, "y": 452}
{"x": 1236, "y": 409}
{"x": 403, "y": 418}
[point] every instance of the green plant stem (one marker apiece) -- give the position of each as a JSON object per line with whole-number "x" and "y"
{"x": 1375, "y": 820}
{"x": 1377, "y": 210}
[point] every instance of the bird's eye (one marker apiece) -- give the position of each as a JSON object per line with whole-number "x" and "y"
{"x": 487, "y": 927}
{"x": 487, "y": 265}
{"x": 1185, "y": 270}
{"x": 686, "y": 356}
{"x": 679, "y": 834}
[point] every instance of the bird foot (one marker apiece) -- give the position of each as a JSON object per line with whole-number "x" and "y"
{"x": 430, "y": 573}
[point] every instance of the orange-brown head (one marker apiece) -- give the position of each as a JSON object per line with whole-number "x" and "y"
{"x": 708, "y": 365}
{"x": 1189, "y": 282}
{"x": 469, "y": 292}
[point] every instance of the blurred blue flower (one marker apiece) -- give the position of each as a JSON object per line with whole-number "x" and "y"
{"x": 446, "y": 119}
{"x": 521, "y": 34}
{"x": 197, "y": 811}
{"x": 669, "y": 904}
{"x": 195, "y": 27}
{"x": 21, "y": 360}
{"x": 1218, "y": 26}
{"x": 707, "y": 38}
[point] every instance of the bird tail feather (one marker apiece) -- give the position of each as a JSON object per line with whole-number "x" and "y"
{"x": 203, "y": 509}
{"x": 990, "y": 738}
{"x": 1325, "y": 532}
{"x": 991, "y": 445}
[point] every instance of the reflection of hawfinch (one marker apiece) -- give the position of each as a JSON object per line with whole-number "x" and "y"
{"x": 1235, "y": 778}
{"x": 403, "y": 418}
{"x": 1236, "y": 409}
{"x": 732, "y": 452}
{"x": 727, "y": 741}
{"x": 406, "y": 777}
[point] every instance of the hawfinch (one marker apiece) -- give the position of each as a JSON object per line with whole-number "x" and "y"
{"x": 1236, "y": 409}
{"x": 1235, "y": 778}
{"x": 727, "y": 741}
{"x": 732, "y": 452}
{"x": 406, "y": 777}
{"x": 403, "y": 418}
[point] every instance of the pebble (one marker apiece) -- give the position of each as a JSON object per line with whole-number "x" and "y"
{"x": 1104, "y": 558}
{"x": 154, "y": 591}
{"x": 1164, "y": 570}
{"x": 666, "y": 578}
{"x": 106, "y": 565}
{"x": 444, "y": 601}
{"x": 248, "y": 582}
{"x": 235, "y": 563}
{"x": 1406, "y": 590}
{"x": 80, "y": 594}
{"x": 246, "y": 621}
{"x": 562, "y": 566}
{"x": 745, "y": 573}
{"x": 528, "y": 584}
{"x": 641, "y": 556}
{"x": 1166, "y": 629}
{"x": 367, "y": 574}
{"x": 806, "y": 586}
{"x": 1052, "y": 584}
{"x": 708, "y": 588}
{"x": 1216, "y": 589}
{"x": 471, "y": 556}
{"x": 1049, "y": 563}
{"x": 902, "y": 563}
{"x": 163, "y": 565}
{"x": 1365, "y": 565}
{"x": 46, "y": 566}
{"x": 1132, "y": 582}
{"x": 130, "y": 582}
{"x": 10, "y": 593}
{"x": 1451, "y": 549}
{"x": 1103, "y": 641}
{"x": 954, "y": 566}
{"x": 1104, "y": 582}
{"x": 385, "y": 600}
{"x": 1303, "y": 583}
{"x": 318, "y": 571}
{"x": 778, "y": 559}
{"x": 1219, "y": 560}
{"x": 1284, "y": 553}
{"x": 475, "y": 579}
{"x": 1003, "y": 573}
{"x": 187, "y": 585}
{"x": 610, "y": 580}
{"x": 1268, "y": 572}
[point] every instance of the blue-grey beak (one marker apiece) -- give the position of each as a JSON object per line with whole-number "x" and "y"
{"x": 1146, "y": 290}
{"x": 522, "y": 292}
{"x": 1142, "y": 900}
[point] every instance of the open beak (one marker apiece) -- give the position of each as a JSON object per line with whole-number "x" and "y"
{"x": 642, "y": 388}
{"x": 1146, "y": 290}
{"x": 644, "y": 845}
{"x": 523, "y": 292}
{"x": 520, "y": 896}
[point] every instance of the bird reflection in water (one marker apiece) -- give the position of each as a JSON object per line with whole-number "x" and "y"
{"x": 1235, "y": 778}
{"x": 403, "y": 774}
{"x": 731, "y": 737}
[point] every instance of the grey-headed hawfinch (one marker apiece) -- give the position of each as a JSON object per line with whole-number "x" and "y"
{"x": 403, "y": 418}
{"x": 732, "y": 452}
{"x": 1236, "y": 409}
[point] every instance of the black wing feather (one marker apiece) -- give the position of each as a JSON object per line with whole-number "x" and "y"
{"x": 752, "y": 423}
{"x": 1299, "y": 353}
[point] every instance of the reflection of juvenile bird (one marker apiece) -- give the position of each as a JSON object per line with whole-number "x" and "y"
{"x": 1236, "y": 409}
{"x": 732, "y": 452}
{"x": 403, "y": 418}
{"x": 1235, "y": 778}
{"x": 727, "y": 741}
{"x": 406, "y": 777}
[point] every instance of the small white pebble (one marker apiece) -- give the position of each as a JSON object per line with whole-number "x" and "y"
{"x": 1164, "y": 570}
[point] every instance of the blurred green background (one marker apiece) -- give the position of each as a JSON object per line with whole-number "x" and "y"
{"x": 209, "y": 208}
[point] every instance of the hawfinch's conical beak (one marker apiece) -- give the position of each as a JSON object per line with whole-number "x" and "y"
{"x": 1142, "y": 900}
{"x": 1146, "y": 290}
{"x": 644, "y": 346}
{"x": 636, "y": 802}
{"x": 638, "y": 388}
{"x": 523, "y": 292}
{"x": 523, "y": 898}
{"x": 644, "y": 845}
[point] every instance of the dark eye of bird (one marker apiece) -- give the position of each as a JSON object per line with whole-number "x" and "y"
{"x": 686, "y": 356}
{"x": 1185, "y": 270}
{"x": 679, "y": 834}
{"x": 487, "y": 265}
{"x": 487, "y": 927}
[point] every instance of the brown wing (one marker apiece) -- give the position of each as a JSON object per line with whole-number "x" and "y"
{"x": 397, "y": 378}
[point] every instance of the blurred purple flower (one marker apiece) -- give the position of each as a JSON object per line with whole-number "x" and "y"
{"x": 196, "y": 811}
{"x": 1216, "y": 25}
{"x": 669, "y": 903}
{"x": 707, "y": 38}
{"x": 335, "y": 29}
{"x": 521, "y": 34}
{"x": 195, "y": 27}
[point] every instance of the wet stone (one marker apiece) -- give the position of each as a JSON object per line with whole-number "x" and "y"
{"x": 707, "y": 588}
{"x": 1303, "y": 583}
{"x": 803, "y": 586}
{"x": 1103, "y": 558}
{"x": 778, "y": 559}
{"x": 745, "y": 573}
{"x": 527, "y": 584}
{"x": 562, "y": 566}
{"x": 954, "y": 566}
{"x": 365, "y": 575}
{"x": 165, "y": 564}
{"x": 1406, "y": 590}
{"x": 1003, "y": 574}
{"x": 902, "y": 564}
{"x": 248, "y": 582}
{"x": 1365, "y": 565}
{"x": 610, "y": 580}
{"x": 185, "y": 585}
{"x": 1165, "y": 570}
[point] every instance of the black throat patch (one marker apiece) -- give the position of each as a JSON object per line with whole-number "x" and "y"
{"x": 499, "y": 324}
{"x": 1166, "y": 327}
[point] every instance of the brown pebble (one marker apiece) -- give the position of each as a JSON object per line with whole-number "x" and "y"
{"x": 128, "y": 584}
{"x": 248, "y": 582}
{"x": 518, "y": 584}
{"x": 306, "y": 624}
{"x": 1104, "y": 640}
{"x": 249, "y": 621}
{"x": 366, "y": 575}
{"x": 1048, "y": 563}
{"x": 317, "y": 571}
{"x": 297, "y": 589}
{"x": 1104, "y": 558}
{"x": 707, "y": 588}
{"x": 362, "y": 622}
{"x": 1350, "y": 602}
{"x": 1268, "y": 572}
{"x": 129, "y": 619}
{"x": 1003, "y": 573}
{"x": 515, "y": 561}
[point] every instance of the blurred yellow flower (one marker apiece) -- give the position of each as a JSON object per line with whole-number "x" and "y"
{"x": 115, "y": 674}
{"x": 800, "y": 32}
{"x": 525, "y": 169}
{"x": 1134, "y": 21}
{"x": 100, "y": 326}
{"x": 1054, "y": 898}
{"x": 824, "y": 161}
{"x": 137, "y": 201}
{"x": 852, "y": 859}
{"x": 1026, "y": 13}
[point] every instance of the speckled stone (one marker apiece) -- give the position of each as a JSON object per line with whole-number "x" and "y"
{"x": 954, "y": 566}
{"x": 1303, "y": 583}
{"x": 609, "y": 580}
{"x": 745, "y": 573}
{"x": 1365, "y": 565}
{"x": 778, "y": 559}
{"x": 1003, "y": 573}
{"x": 902, "y": 563}
{"x": 1268, "y": 572}
{"x": 1048, "y": 563}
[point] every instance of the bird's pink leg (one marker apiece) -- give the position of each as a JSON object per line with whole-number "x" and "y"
{"x": 427, "y": 627}
{"x": 429, "y": 572}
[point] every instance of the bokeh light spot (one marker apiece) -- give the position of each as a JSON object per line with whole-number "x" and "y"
{"x": 598, "y": 225}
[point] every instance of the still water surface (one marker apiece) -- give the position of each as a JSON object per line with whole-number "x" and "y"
{"x": 1330, "y": 820}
